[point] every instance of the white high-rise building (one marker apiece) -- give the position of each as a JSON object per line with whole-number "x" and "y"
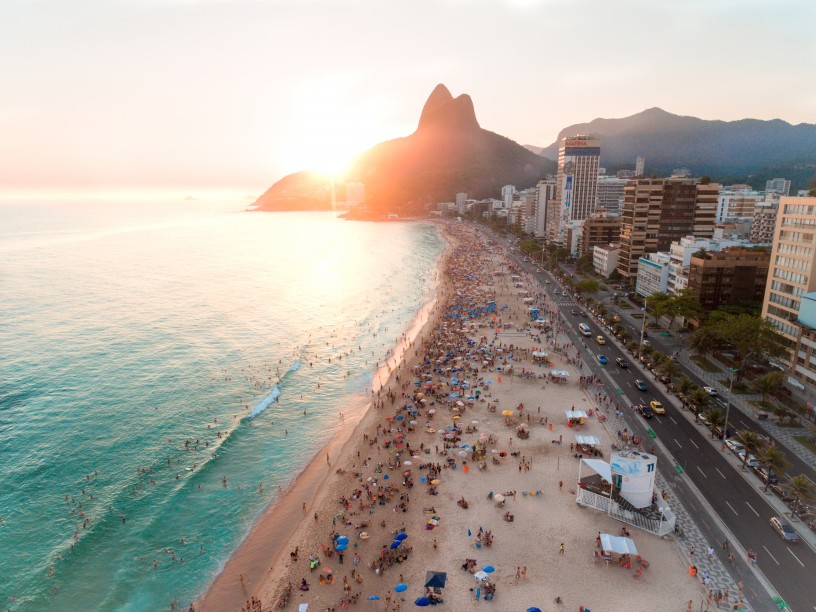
{"x": 737, "y": 202}
{"x": 610, "y": 193}
{"x": 508, "y": 191}
{"x": 640, "y": 165}
{"x": 461, "y": 199}
{"x": 577, "y": 181}
{"x": 545, "y": 194}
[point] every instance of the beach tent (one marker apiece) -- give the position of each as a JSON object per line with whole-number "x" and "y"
{"x": 540, "y": 354}
{"x": 435, "y": 579}
{"x": 575, "y": 414}
{"x": 619, "y": 545}
{"x": 600, "y": 467}
{"x": 587, "y": 440}
{"x": 559, "y": 374}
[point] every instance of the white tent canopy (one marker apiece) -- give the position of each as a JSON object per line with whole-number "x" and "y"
{"x": 600, "y": 467}
{"x": 540, "y": 354}
{"x": 575, "y": 414}
{"x": 587, "y": 440}
{"x": 562, "y": 374}
{"x": 619, "y": 545}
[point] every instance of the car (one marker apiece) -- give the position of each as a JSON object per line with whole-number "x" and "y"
{"x": 657, "y": 407}
{"x": 734, "y": 446}
{"x": 784, "y": 529}
{"x": 600, "y": 340}
{"x": 641, "y": 385}
{"x": 616, "y": 318}
{"x": 766, "y": 475}
{"x": 621, "y": 363}
{"x": 645, "y": 411}
{"x": 602, "y": 359}
{"x": 752, "y": 461}
{"x": 711, "y": 391}
{"x": 583, "y": 314}
{"x": 575, "y": 312}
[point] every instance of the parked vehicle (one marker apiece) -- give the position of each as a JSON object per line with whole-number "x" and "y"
{"x": 600, "y": 340}
{"x": 784, "y": 529}
{"x": 711, "y": 391}
{"x": 752, "y": 462}
{"x": 766, "y": 474}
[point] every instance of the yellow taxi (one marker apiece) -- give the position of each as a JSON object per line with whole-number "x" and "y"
{"x": 600, "y": 340}
{"x": 657, "y": 407}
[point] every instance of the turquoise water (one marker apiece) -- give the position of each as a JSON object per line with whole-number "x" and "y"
{"x": 134, "y": 338}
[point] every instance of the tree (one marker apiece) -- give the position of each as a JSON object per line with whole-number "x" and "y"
{"x": 715, "y": 417}
{"x": 753, "y": 337}
{"x": 531, "y": 247}
{"x": 668, "y": 368}
{"x": 701, "y": 399}
{"x": 751, "y": 441}
{"x": 768, "y": 384}
{"x": 680, "y": 304}
{"x": 801, "y": 489}
{"x": 584, "y": 263}
{"x": 704, "y": 340}
{"x": 588, "y": 285}
{"x": 773, "y": 459}
{"x": 686, "y": 385}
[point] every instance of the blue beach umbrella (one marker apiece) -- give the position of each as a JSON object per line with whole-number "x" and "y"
{"x": 395, "y": 544}
{"x": 343, "y": 540}
{"x": 373, "y": 598}
{"x": 489, "y": 569}
{"x": 399, "y": 417}
{"x": 401, "y": 536}
{"x": 534, "y": 609}
{"x": 422, "y": 602}
{"x": 341, "y": 547}
{"x": 401, "y": 587}
{"x": 386, "y": 477}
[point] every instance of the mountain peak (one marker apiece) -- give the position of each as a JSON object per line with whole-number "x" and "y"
{"x": 442, "y": 109}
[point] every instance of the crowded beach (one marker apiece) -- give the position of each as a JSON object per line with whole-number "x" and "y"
{"x": 458, "y": 486}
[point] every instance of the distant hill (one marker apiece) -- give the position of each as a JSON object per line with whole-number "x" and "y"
{"x": 748, "y": 150}
{"x": 449, "y": 152}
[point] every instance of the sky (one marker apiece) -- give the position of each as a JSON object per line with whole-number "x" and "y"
{"x": 126, "y": 97}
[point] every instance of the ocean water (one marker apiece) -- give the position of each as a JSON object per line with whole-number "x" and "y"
{"x": 134, "y": 340}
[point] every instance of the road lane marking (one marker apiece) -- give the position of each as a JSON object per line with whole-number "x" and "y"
{"x": 732, "y": 508}
{"x": 676, "y": 442}
{"x": 769, "y": 552}
{"x": 694, "y": 443}
{"x": 752, "y": 508}
{"x": 720, "y": 473}
{"x": 795, "y": 557}
{"x": 702, "y": 472}
{"x": 673, "y": 421}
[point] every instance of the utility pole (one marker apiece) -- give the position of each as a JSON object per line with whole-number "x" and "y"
{"x": 728, "y": 404}
{"x": 643, "y": 322}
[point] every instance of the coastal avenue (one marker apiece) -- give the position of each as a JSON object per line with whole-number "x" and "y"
{"x": 743, "y": 509}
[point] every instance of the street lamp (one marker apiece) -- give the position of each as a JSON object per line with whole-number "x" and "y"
{"x": 643, "y": 323}
{"x": 728, "y": 404}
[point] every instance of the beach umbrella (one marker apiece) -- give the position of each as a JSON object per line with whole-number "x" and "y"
{"x": 460, "y": 403}
{"x": 422, "y": 602}
{"x": 395, "y": 544}
{"x": 432, "y": 411}
{"x": 386, "y": 477}
{"x": 341, "y": 547}
{"x": 401, "y": 587}
{"x": 399, "y": 417}
{"x": 412, "y": 422}
{"x": 343, "y": 540}
{"x": 456, "y": 418}
{"x": 435, "y": 481}
{"x": 499, "y": 498}
{"x": 480, "y": 575}
{"x": 363, "y": 535}
{"x": 534, "y": 609}
{"x": 373, "y": 598}
{"x": 507, "y": 413}
{"x": 328, "y": 570}
{"x": 423, "y": 479}
{"x": 435, "y": 579}
{"x": 489, "y": 569}
{"x": 401, "y": 536}
{"x": 407, "y": 463}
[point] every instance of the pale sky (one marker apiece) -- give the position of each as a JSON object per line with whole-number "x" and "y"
{"x": 227, "y": 96}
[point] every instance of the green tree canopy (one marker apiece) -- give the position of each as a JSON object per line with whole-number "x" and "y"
{"x": 584, "y": 263}
{"x": 753, "y": 337}
{"x": 768, "y": 384}
{"x": 773, "y": 458}
{"x": 587, "y": 285}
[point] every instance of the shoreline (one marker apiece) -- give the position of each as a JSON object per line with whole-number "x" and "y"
{"x": 272, "y": 533}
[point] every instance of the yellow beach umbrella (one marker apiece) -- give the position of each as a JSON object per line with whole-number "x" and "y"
{"x": 507, "y": 413}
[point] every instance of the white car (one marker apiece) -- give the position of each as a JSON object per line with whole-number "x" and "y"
{"x": 711, "y": 391}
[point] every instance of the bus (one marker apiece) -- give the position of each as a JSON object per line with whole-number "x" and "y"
{"x": 584, "y": 329}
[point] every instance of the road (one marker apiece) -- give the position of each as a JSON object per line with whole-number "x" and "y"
{"x": 791, "y": 569}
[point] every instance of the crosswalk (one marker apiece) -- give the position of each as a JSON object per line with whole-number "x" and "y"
{"x": 565, "y": 302}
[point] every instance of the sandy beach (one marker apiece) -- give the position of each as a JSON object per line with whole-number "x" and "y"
{"x": 424, "y": 460}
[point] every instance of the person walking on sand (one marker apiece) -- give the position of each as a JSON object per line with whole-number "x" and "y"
{"x": 561, "y": 549}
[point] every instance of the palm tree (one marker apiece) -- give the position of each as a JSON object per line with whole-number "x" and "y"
{"x": 700, "y": 399}
{"x": 686, "y": 385}
{"x": 801, "y": 489}
{"x": 704, "y": 340}
{"x": 669, "y": 368}
{"x": 768, "y": 384}
{"x": 751, "y": 441}
{"x": 715, "y": 417}
{"x": 773, "y": 459}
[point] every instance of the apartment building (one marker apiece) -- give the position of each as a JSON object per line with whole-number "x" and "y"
{"x": 735, "y": 275}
